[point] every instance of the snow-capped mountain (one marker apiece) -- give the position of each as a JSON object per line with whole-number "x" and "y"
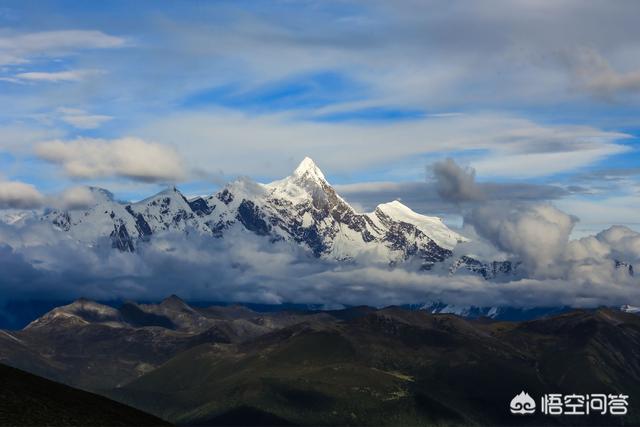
{"x": 302, "y": 208}
{"x": 630, "y": 309}
{"x": 496, "y": 312}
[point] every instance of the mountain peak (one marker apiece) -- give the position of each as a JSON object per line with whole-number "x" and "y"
{"x": 80, "y": 311}
{"x": 174, "y": 302}
{"x": 170, "y": 191}
{"x": 101, "y": 193}
{"x": 308, "y": 167}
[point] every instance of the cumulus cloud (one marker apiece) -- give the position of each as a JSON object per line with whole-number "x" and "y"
{"x": 536, "y": 234}
{"x": 623, "y": 241}
{"x": 131, "y": 158}
{"x": 455, "y": 183}
{"x": 19, "y": 195}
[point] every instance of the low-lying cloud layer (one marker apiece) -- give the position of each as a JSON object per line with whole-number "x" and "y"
{"x": 250, "y": 268}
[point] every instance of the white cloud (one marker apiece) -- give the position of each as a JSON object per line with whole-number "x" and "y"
{"x": 531, "y": 165}
{"x": 75, "y": 198}
{"x": 407, "y": 55}
{"x": 19, "y": 138}
{"x": 624, "y": 241}
{"x": 57, "y": 76}
{"x": 19, "y": 195}
{"x": 602, "y": 212}
{"x": 20, "y": 48}
{"x": 131, "y": 158}
{"x": 222, "y": 140}
{"x": 536, "y": 234}
{"x": 81, "y": 119}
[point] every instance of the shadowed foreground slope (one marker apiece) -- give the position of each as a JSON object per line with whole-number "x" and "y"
{"x": 29, "y": 400}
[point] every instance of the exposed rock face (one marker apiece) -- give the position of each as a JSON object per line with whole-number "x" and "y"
{"x": 488, "y": 270}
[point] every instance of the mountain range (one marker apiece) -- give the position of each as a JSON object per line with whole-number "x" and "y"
{"x": 231, "y": 365}
{"x": 302, "y": 209}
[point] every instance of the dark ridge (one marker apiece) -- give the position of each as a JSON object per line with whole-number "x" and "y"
{"x": 29, "y": 400}
{"x": 351, "y": 313}
{"x": 133, "y": 315}
{"x": 174, "y": 302}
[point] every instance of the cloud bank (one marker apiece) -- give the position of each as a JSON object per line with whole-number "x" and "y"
{"x": 249, "y": 268}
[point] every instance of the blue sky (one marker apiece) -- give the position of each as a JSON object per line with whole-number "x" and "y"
{"x": 525, "y": 92}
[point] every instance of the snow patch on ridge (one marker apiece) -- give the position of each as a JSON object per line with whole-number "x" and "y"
{"x": 430, "y": 225}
